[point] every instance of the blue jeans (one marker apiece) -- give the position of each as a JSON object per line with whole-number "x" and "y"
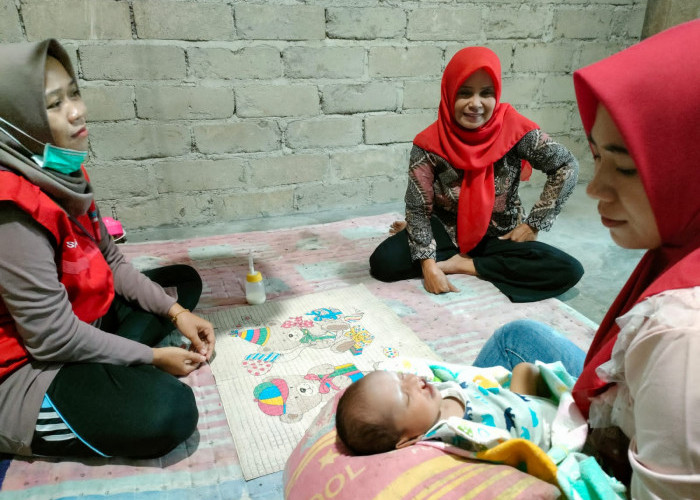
{"x": 528, "y": 340}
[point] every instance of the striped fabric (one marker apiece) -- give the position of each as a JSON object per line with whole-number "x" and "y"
{"x": 49, "y": 424}
{"x": 52, "y": 427}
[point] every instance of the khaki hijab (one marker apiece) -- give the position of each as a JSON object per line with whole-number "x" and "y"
{"x": 22, "y": 104}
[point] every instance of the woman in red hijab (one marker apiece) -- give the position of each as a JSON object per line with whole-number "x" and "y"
{"x": 463, "y": 212}
{"x": 640, "y": 378}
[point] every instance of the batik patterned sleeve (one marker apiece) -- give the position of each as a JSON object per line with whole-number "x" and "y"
{"x": 419, "y": 205}
{"x": 561, "y": 168}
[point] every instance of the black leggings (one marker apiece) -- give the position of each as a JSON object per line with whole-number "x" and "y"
{"x": 135, "y": 411}
{"x": 525, "y": 272}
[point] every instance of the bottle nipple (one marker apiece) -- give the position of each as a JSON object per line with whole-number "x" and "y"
{"x": 253, "y": 275}
{"x": 251, "y": 269}
{"x": 255, "y": 289}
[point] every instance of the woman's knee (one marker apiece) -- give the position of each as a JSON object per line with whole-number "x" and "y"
{"x": 386, "y": 265}
{"x": 181, "y": 410}
{"x": 174, "y": 421}
{"x": 519, "y": 328}
{"x": 179, "y": 275}
{"x": 183, "y": 277}
{"x": 567, "y": 268}
{"x": 379, "y": 267}
{"x": 577, "y": 272}
{"x": 527, "y": 335}
{"x": 514, "y": 342}
{"x": 188, "y": 274}
{"x": 133, "y": 411}
{"x": 529, "y": 340}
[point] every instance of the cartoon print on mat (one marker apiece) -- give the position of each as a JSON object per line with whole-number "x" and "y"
{"x": 353, "y": 317}
{"x": 360, "y": 338}
{"x": 257, "y": 336}
{"x": 291, "y": 341}
{"x": 259, "y": 363}
{"x": 290, "y": 397}
{"x": 390, "y": 352}
{"x": 253, "y": 334}
{"x": 297, "y": 322}
{"x": 322, "y": 328}
{"x": 325, "y": 313}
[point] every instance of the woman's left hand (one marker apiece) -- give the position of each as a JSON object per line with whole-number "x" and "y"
{"x": 197, "y": 330}
{"x": 522, "y": 232}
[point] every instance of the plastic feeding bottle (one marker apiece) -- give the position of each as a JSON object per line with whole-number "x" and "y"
{"x": 254, "y": 287}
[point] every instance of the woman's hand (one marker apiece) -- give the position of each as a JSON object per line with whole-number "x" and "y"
{"x": 197, "y": 330}
{"x": 522, "y": 232}
{"x": 176, "y": 360}
{"x": 434, "y": 280}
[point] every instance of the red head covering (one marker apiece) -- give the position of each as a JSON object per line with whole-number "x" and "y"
{"x": 651, "y": 93}
{"x": 473, "y": 151}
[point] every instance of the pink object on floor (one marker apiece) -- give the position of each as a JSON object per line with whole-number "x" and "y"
{"x": 114, "y": 228}
{"x": 320, "y": 465}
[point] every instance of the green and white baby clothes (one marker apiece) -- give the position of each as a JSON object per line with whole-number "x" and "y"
{"x": 527, "y": 417}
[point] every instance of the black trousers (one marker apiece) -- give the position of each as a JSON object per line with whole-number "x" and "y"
{"x": 524, "y": 272}
{"x": 134, "y": 411}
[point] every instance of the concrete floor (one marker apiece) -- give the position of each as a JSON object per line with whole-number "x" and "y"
{"x": 577, "y": 231}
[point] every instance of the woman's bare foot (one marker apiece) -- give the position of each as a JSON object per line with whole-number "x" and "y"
{"x": 397, "y": 226}
{"x": 458, "y": 264}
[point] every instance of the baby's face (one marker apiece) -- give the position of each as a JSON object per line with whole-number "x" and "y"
{"x": 412, "y": 404}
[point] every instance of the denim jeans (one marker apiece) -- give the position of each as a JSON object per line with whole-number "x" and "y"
{"x": 528, "y": 340}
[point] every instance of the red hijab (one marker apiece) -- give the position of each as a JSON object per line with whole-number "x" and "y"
{"x": 473, "y": 151}
{"x": 651, "y": 92}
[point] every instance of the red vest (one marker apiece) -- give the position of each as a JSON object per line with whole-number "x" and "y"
{"x": 81, "y": 268}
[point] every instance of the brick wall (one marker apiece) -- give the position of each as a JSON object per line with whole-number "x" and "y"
{"x": 219, "y": 110}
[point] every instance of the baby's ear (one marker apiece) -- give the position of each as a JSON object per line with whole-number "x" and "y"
{"x": 407, "y": 441}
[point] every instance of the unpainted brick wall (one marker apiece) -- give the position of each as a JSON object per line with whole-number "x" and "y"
{"x": 220, "y": 110}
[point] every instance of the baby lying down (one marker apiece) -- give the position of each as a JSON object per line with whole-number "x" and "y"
{"x": 386, "y": 410}
{"x": 533, "y": 425}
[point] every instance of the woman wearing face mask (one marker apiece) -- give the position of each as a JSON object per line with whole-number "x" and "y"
{"x": 78, "y": 373}
{"x": 639, "y": 381}
{"x": 463, "y": 212}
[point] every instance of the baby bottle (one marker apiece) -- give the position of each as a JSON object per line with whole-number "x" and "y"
{"x": 254, "y": 287}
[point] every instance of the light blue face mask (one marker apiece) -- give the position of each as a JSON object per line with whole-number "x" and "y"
{"x": 64, "y": 161}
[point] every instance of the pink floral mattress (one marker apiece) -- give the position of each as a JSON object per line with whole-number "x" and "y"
{"x": 293, "y": 262}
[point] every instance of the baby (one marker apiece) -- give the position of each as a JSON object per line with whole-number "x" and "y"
{"x": 386, "y": 410}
